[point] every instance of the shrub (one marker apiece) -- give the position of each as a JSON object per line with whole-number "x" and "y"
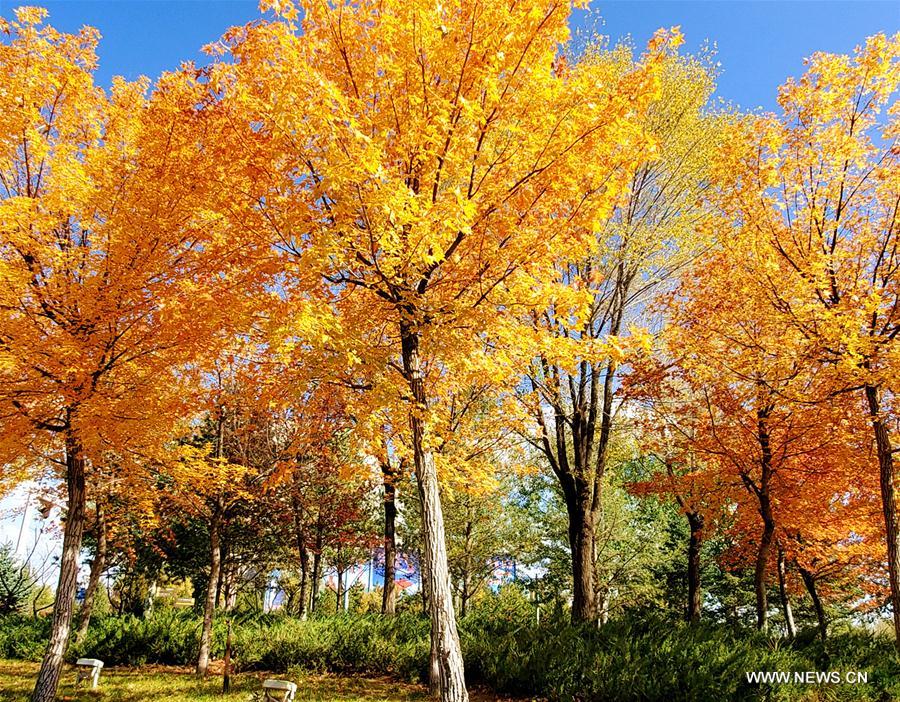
{"x": 634, "y": 658}
{"x": 22, "y": 637}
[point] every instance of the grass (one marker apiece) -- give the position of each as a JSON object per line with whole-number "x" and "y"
{"x": 175, "y": 684}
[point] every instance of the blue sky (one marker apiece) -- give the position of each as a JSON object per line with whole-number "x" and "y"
{"x": 759, "y": 43}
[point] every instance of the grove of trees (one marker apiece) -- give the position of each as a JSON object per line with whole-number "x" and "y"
{"x": 421, "y": 282}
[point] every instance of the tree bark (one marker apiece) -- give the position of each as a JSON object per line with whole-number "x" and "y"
{"x": 340, "y": 586}
{"x": 581, "y": 543}
{"x": 220, "y": 581}
{"x": 434, "y": 669}
{"x": 695, "y": 520}
{"x": 316, "y": 567}
{"x": 209, "y": 605}
{"x": 464, "y": 590}
{"x": 97, "y": 566}
{"x": 443, "y": 620}
{"x": 888, "y": 500}
{"x": 789, "y": 625}
{"x": 303, "y": 553}
{"x": 64, "y": 602}
{"x": 759, "y": 574}
{"x": 389, "y": 595}
{"x": 603, "y": 600}
{"x": 765, "y": 511}
{"x": 810, "y": 581}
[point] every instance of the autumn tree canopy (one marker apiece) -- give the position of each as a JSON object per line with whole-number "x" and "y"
{"x": 430, "y": 269}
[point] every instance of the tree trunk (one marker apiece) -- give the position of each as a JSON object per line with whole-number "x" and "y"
{"x": 434, "y": 669}
{"x": 464, "y": 590}
{"x": 303, "y": 553}
{"x": 603, "y": 600}
{"x": 97, "y": 566}
{"x": 765, "y": 511}
{"x": 810, "y": 581}
{"x": 581, "y": 543}
{"x": 888, "y": 501}
{"x": 389, "y": 598}
{"x": 789, "y": 625}
{"x": 695, "y": 520}
{"x": 64, "y": 602}
{"x": 317, "y": 567}
{"x": 220, "y": 581}
{"x": 443, "y": 619}
{"x": 340, "y": 587}
{"x": 209, "y": 605}
{"x": 759, "y": 575}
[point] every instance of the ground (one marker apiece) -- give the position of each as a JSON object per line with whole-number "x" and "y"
{"x": 169, "y": 684}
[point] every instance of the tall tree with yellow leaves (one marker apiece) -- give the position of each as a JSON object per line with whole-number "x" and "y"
{"x": 640, "y": 248}
{"x": 104, "y": 254}
{"x": 434, "y": 162}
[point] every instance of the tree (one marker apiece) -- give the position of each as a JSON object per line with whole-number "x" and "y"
{"x": 104, "y": 254}
{"x": 437, "y": 152}
{"x": 640, "y": 247}
{"x": 817, "y": 188}
{"x": 16, "y": 582}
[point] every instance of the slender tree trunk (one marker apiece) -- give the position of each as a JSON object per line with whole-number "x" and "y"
{"x": 317, "y": 567}
{"x": 220, "y": 581}
{"x": 695, "y": 520}
{"x": 226, "y": 673}
{"x": 789, "y": 625}
{"x": 759, "y": 575}
{"x": 464, "y": 595}
{"x": 303, "y": 553}
{"x": 443, "y": 619}
{"x": 603, "y": 600}
{"x": 340, "y": 586}
{"x": 389, "y": 598}
{"x": 434, "y": 669}
{"x": 209, "y": 605}
{"x": 97, "y": 566}
{"x": 765, "y": 511}
{"x": 888, "y": 500}
{"x": 64, "y": 603}
{"x": 464, "y": 592}
{"x": 810, "y": 581}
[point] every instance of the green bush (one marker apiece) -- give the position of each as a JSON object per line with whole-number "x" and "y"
{"x": 648, "y": 659}
{"x": 167, "y": 637}
{"x": 23, "y": 637}
{"x": 363, "y": 644}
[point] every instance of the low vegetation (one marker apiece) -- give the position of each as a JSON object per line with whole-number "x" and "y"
{"x": 505, "y": 650}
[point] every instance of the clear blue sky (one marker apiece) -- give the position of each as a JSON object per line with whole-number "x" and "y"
{"x": 759, "y": 43}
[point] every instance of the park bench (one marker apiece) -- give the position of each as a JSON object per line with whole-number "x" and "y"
{"x": 88, "y": 668}
{"x": 279, "y": 690}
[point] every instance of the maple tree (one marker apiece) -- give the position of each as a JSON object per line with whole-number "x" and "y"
{"x": 816, "y": 190}
{"x": 434, "y": 146}
{"x": 105, "y": 252}
{"x": 398, "y": 237}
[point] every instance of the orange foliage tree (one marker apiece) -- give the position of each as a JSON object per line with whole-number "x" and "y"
{"x": 105, "y": 253}
{"x": 817, "y": 191}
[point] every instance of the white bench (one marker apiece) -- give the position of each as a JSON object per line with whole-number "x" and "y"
{"x": 279, "y": 690}
{"x": 88, "y": 669}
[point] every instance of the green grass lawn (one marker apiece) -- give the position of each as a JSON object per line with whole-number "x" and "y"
{"x": 155, "y": 683}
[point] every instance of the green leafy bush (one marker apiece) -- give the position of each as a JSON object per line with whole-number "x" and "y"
{"x": 23, "y": 638}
